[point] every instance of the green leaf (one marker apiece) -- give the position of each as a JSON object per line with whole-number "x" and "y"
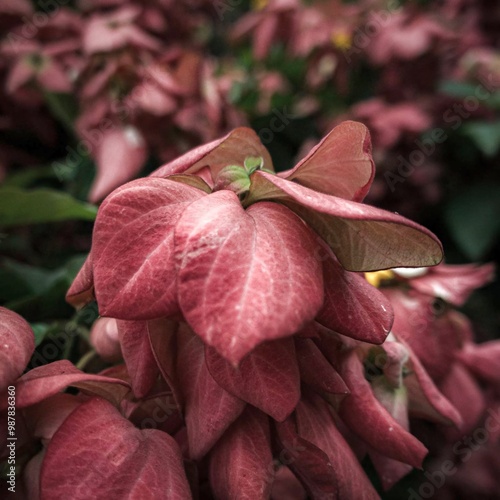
{"x": 40, "y": 330}
{"x": 486, "y": 136}
{"x": 472, "y": 219}
{"x": 20, "y": 206}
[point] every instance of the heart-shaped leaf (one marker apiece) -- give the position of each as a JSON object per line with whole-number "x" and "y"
{"x": 267, "y": 378}
{"x": 340, "y": 165}
{"x": 105, "y": 456}
{"x": 362, "y": 237}
{"x": 133, "y": 248}
{"x": 245, "y": 276}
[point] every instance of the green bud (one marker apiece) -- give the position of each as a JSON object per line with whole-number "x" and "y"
{"x": 233, "y": 177}
{"x": 253, "y": 163}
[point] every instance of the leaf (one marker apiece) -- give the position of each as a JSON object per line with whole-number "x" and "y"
{"x": 268, "y": 378}
{"x": 105, "y": 456}
{"x": 45, "y": 381}
{"x": 316, "y": 371}
{"x": 136, "y": 351}
{"x": 209, "y": 410}
{"x": 120, "y": 155}
{"x": 245, "y": 276}
{"x": 241, "y": 464}
{"x": 232, "y": 149}
{"x": 472, "y": 219}
{"x": 370, "y": 421}
{"x": 352, "y": 306}
{"x": 340, "y": 165}
{"x": 17, "y": 343}
{"x": 315, "y": 424}
{"x": 362, "y": 237}
{"x": 133, "y": 249}
{"x": 20, "y": 206}
{"x": 485, "y": 135}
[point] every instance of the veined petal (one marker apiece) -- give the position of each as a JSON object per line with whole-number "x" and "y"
{"x": 105, "y": 456}
{"x": 229, "y": 150}
{"x": 245, "y": 276}
{"x": 362, "y": 237}
{"x": 340, "y": 165}
{"x": 17, "y": 343}
{"x": 352, "y": 306}
{"x": 208, "y": 409}
{"x": 368, "y": 419}
{"x": 268, "y": 378}
{"x": 133, "y": 254}
{"x": 241, "y": 464}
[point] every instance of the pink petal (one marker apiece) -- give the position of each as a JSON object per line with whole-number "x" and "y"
{"x": 47, "y": 380}
{"x": 389, "y": 471}
{"x": 241, "y": 463}
{"x": 229, "y": 150}
{"x": 316, "y": 371}
{"x": 340, "y": 165}
{"x": 162, "y": 339}
{"x": 352, "y": 306}
{"x": 53, "y": 77}
{"x": 367, "y": 418}
{"x": 425, "y": 399}
{"x": 20, "y": 73}
{"x": 318, "y": 454}
{"x": 105, "y": 456}
{"x": 209, "y": 409}
{"x": 362, "y": 237}
{"x": 120, "y": 155}
{"x": 140, "y": 361}
{"x": 465, "y": 394}
{"x": 267, "y": 378}
{"x": 245, "y": 276}
{"x": 286, "y": 485}
{"x": 81, "y": 291}
{"x": 17, "y": 343}
{"x": 133, "y": 248}
{"x": 454, "y": 283}
{"x": 483, "y": 360}
{"x": 104, "y": 339}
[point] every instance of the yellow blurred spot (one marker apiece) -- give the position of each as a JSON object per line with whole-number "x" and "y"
{"x": 259, "y": 4}
{"x": 342, "y": 40}
{"x": 375, "y": 278}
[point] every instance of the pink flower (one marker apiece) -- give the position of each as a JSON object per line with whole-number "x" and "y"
{"x": 183, "y": 224}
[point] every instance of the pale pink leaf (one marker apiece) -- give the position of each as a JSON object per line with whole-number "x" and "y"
{"x": 369, "y": 420}
{"x": 81, "y": 291}
{"x": 245, "y": 276}
{"x": 241, "y": 463}
{"x": 120, "y": 155}
{"x": 17, "y": 343}
{"x": 363, "y": 238}
{"x": 138, "y": 356}
{"x": 208, "y": 409}
{"x": 352, "y": 306}
{"x": 340, "y": 165}
{"x": 105, "y": 456}
{"x": 231, "y": 149}
{"x": 47, "y": 380}
{"x": 133, "y": 246}
{"x": 267, "y": 378}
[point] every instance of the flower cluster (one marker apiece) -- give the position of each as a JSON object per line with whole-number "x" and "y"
{"x": 253, "y": 357}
